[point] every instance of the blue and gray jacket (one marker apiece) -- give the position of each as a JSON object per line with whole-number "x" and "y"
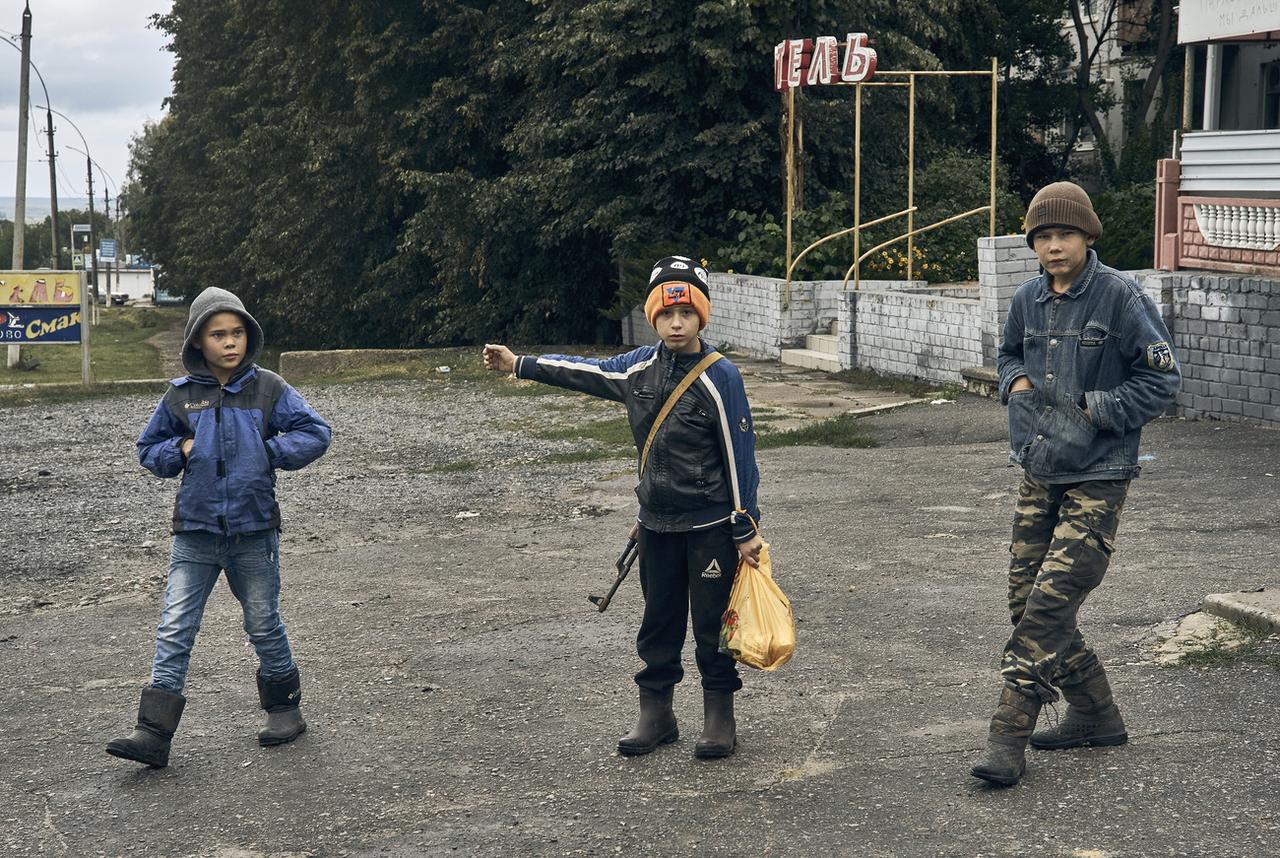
{"x": 243, "y": 432}
{"x": 1101, "y": 345}
{"x": 701, "y": 470}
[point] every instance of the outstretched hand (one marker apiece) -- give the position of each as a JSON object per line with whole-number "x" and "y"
{"x": 499, "y": 358}
{"x": 750, "y": 550}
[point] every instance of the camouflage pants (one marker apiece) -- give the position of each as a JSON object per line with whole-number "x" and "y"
{"x": 1063, "y": 536}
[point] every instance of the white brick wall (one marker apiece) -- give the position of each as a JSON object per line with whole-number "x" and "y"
{"x": 746, "y": 313}
{"x": 1005, "y": 262}
{"x": 915, "y": 333}
{"x": 636, "y": 330}
{"x": 1225, "y": 328}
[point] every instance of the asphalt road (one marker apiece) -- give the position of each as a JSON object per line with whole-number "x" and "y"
{"x": 464, "y": 697}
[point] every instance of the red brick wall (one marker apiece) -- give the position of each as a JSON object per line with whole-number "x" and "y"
{"x": 1195, "y": 252}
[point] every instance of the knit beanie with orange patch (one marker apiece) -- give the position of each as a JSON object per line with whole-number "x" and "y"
{"x": 677, "y": 280}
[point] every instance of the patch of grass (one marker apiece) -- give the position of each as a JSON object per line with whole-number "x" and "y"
{"x": 1249, "y": 648}
{"x": 866, "y": 379}
{"x": 842, "y": 431}
{"x": 454, "y": 467}
{"x": 117, "y": 349}
{"x": 612, "y": 432}
{"x": 575, "y": 456}
{"x": 465, "y": 366}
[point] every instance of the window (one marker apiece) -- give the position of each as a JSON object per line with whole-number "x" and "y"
{"x": 1271, "y": 95}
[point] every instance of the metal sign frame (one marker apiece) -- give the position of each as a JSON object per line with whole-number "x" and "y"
{"x": 855, "y": 270}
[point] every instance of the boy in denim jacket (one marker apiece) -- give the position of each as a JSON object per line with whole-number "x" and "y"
{"x": 1085, "y": 363}
{"x": 697, "y": 496}
{"x": 226, "y": 427}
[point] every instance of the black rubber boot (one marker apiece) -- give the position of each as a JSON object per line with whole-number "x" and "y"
{"x": 281, "y": 698}
{"x": 1092, "y": 718}
{"x": 1011, "y": 726}
{"x": 158, "y": 716}
{"x": 719, "y": 731}
{"x": 656, "y": 726}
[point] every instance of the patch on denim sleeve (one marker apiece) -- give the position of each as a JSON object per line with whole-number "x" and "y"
{"x": 1160, "y": 356}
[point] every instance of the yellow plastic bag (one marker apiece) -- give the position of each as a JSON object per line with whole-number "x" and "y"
{"x": 758, "y": 628}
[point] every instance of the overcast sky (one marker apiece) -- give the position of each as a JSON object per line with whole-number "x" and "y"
{"x": 104, "y": 67}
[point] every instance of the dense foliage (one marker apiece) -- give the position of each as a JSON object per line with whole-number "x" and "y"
{"x": 404, "y": 174}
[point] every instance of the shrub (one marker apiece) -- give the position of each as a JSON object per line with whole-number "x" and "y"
{"x": 950, "y": 184}
{"x": 1128, "y": 226}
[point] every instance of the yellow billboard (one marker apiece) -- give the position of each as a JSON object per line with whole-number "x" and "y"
{"x": 40, "y": 288}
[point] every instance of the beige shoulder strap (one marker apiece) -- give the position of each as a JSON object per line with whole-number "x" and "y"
{"x": 684, "y": 385}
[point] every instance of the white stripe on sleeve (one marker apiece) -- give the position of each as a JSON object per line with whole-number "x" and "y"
{"x": 732, "y": 463}
{"x": 595, "y": 368}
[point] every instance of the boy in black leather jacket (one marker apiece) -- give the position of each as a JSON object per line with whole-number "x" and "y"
{"x": 697, "y": 493}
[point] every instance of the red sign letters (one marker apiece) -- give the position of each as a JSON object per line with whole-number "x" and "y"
{"x": 811, "y": 62}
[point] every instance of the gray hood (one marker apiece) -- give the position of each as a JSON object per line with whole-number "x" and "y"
{"x": 210, "y": 301}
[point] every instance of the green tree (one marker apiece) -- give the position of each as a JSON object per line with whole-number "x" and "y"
{"x": 410, "y": 174}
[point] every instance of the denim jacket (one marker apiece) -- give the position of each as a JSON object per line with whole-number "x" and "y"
{"x": 1101, "y": 345}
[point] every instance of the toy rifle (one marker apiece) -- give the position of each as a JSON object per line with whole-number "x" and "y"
{"x": 623, "y": 565}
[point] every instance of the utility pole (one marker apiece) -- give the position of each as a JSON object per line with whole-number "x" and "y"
{"x": 93, "y": 253}
{"x": 20, "y": 197}
{"x": 53, "y": 195}
{"x": 106, "y": 209}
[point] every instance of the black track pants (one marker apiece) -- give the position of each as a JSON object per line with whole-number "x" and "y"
{"x": 682, "y": 575}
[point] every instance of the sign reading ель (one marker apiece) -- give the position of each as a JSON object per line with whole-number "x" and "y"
{"x": 813, "y": 62}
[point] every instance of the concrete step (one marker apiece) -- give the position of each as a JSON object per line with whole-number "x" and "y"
{"x": 824, "y": 343}
{"x": 981, "y": 380}
{"x": 1259, "y": 610}
{"x": 810, "y": 359}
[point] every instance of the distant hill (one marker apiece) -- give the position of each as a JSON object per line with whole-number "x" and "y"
{"x": 38, "y": 207}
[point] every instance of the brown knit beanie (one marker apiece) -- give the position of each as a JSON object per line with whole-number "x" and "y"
{"x": 1062, "y": 204}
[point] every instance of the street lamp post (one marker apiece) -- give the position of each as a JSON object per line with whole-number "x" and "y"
{"x": 92, "y": 247}
{"x": 56, "y": 258}
{"x": 20, "y": 195}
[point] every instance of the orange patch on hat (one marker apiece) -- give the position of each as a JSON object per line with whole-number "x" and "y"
{"x": 675, "y": 293}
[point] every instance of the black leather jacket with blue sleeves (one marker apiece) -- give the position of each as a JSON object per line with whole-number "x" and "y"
{"x": 702, "y": 469}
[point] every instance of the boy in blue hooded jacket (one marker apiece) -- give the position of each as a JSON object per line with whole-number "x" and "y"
{"x": 225, "y": 427}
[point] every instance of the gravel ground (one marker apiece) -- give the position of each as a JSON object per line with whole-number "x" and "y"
{"x": 464, "y": 698}
{"x": 91, "y": 524}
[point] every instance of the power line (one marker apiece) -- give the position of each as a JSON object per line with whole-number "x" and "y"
{"x": 69, "y": 184}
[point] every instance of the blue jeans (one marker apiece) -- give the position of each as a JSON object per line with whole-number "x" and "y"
{"x": 252, "y": 564}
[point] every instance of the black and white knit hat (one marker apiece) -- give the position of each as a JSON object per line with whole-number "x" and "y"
{"x": 669, "y": 284}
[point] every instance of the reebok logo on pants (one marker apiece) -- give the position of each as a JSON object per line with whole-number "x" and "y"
{"x": 712, "y": 570}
